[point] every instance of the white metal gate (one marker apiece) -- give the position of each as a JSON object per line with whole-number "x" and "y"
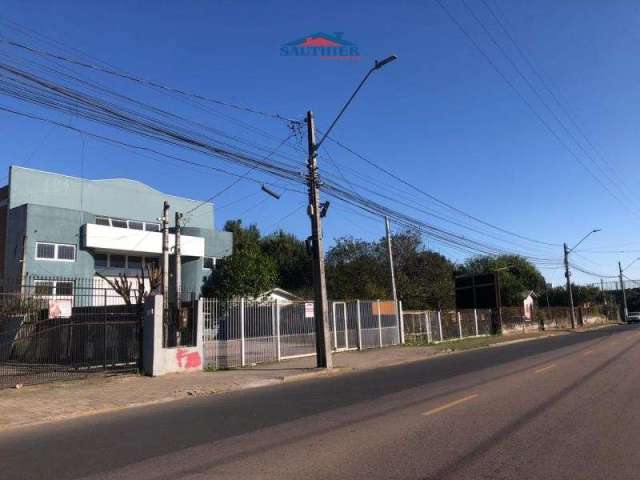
{"x": 340, "y": 333}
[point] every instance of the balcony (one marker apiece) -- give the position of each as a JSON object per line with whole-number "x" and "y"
{"x": 103, "y": 237}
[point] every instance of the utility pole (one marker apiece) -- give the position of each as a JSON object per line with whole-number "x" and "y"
{"x": 393, "y": 276}
{"x": 624, "y": 295}
{"x": 321, "y": 310}
{"x": 604, "y": 298}
{"x": 178, "y": 269}
{"x": 165, "y": 255}
{"x": 567, "y": 274}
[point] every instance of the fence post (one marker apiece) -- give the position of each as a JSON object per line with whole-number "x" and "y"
{"x": 242, "y": 350}
{"x": 428, "y": 325}
{"x": 359, "y": 324}
{"x": 379, "y": 324}
{"x": 460, "y": 325}
{"x": 475, "y": 319}
{"x": 401, "y": 320}
{"x": 440, "y": 324}
{"x": 278, "y": 346}
{"x": 104, "y": 332}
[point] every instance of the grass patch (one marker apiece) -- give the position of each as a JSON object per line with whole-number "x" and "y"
{"x": 469, "y": 343}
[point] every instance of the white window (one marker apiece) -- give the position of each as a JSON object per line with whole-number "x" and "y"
{"x": 55, "y": 251}
{"x": 152, "y": 227}
{"x": 131, "y": 224}
{"x": 53, "y": 288}
{"x": 209, "y": 263}
{"x": 45, "y": 251}
{"x": 118, "y": 223}
{"x": 117, "y": 261}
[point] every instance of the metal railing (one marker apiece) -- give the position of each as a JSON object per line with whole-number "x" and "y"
{"x": 438, "y": 326}
{"x": 245, "y": 332}
{"x": 65, "y": 329}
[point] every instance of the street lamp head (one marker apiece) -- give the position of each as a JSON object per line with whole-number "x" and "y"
{"x": 596, "y": 230}
{"x": 270, "y": 192}
{"x": 381, "y": 63}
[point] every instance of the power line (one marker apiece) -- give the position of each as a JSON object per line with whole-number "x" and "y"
{"x": 539, "y": 96}
{"x": 560, "y": 104}
{"x": 142, "y": 81}
{"x": 530, "y": 106}
{"x": 236, "y": 181}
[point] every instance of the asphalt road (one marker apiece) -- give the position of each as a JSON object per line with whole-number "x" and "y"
{"x": 562, "y": 407}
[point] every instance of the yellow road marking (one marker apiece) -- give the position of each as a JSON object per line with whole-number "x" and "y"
{"x": 544, "y": 369}
{"x": 449, "y": 405}
{"x": 588, "y": 352}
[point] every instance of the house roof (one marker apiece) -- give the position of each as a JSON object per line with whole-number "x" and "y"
{"x": 528, "y": 293}
{"x": 283, "y": 293}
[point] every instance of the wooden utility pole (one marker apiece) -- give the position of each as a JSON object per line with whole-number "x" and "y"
{"x": 624, "y": 294}
{"x": 165, "y": 255}
{"x": 567, "y": 274}
{"x": 178, "y": 259}
{"x": 321, "y": 310}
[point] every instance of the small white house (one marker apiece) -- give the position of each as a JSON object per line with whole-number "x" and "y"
{"x": 282, "y": 296}
{"x": 528, "y": 302}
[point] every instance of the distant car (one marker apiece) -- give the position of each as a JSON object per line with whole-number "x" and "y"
{"x": 633, "y": 317}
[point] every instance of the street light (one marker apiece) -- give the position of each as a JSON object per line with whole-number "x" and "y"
{"x": 315, "y": 210}
{"x": 567, "y": 274}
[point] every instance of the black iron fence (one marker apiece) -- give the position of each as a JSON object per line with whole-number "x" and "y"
{"x": 55, "y": 328}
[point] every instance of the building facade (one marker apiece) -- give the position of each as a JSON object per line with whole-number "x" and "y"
{"x": 57, "y": 226}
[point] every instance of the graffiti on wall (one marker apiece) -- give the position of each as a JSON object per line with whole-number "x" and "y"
{"x": 187, "y": 358}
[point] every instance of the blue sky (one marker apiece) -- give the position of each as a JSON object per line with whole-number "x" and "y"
{"x": 440, "y": 116}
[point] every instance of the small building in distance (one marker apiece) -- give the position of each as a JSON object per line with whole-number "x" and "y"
{"x": 529, "y": 298}
{"x": 56, "y": 228}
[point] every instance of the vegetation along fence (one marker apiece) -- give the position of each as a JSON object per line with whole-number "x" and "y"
{"x": 244, "y": 332}
{"x": 65, "y": 329}
{"x": 436, "y": 326}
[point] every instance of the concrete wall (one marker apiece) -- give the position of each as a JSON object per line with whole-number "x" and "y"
{"x": 158, "y": 360}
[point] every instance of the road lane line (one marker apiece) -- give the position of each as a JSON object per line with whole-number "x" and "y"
{"x": 449, "y": 405}
{"x": 588, "y": 352}
{"x": 544, "y": 369}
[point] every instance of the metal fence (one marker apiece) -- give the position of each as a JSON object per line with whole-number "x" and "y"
{"x": 438, "y": 326}
{"x": 515, "y": 321}
{"x": 244, "y": 332}
{"x": 64, "y": 329}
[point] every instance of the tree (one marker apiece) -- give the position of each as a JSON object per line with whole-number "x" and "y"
{"x": 292, "y": 261}
{"x": 247, "y": 272}
{"x": 516, "y": 275}
{"x": 360, "y": 269}
{"x": 355, "y": 270}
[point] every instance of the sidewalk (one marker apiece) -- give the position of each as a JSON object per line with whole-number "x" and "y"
{"x": 62, "y": 400}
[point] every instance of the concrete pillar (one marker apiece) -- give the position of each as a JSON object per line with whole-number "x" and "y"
{"x": 157, "y": 360}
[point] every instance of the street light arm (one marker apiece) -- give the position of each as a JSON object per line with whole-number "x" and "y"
{"x": 625, "y": 268}
{"x": 344, "y": 108}
{"x": 583, "y": 239}
{"x": 377, "y": 65}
